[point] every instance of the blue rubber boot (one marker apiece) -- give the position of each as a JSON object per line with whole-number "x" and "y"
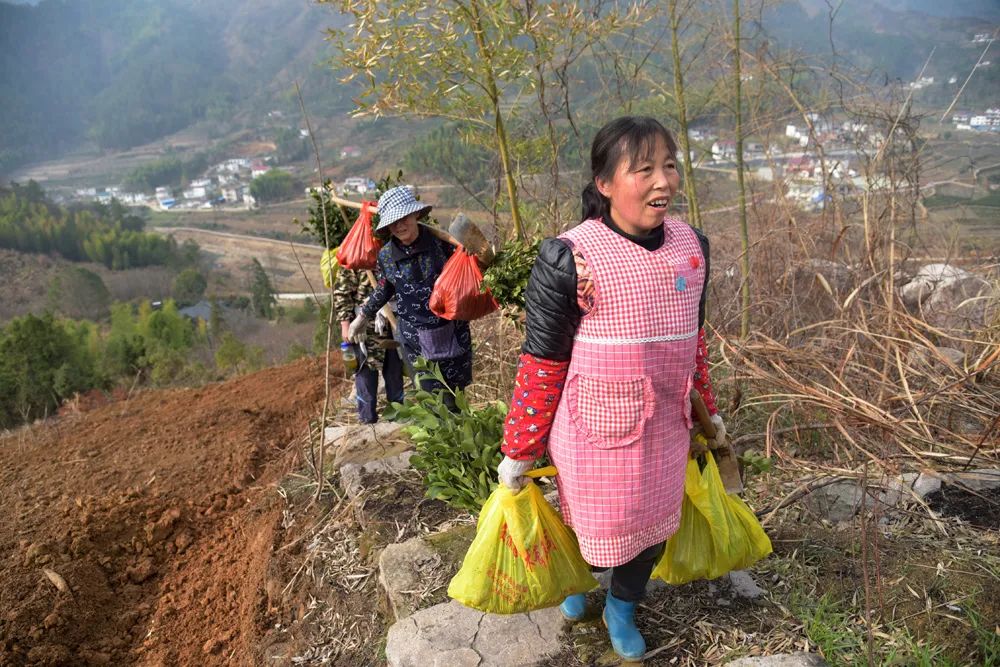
{"x": 619, "y": 616}
{"x": 574, "y": 607}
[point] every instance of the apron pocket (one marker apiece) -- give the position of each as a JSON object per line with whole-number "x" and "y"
{"x": 611, "y": 413}
{"x": 687, "y": 277}
{"x": 440, "y": 343}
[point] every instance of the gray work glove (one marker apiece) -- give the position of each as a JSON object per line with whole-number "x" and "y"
{"x": 511, "y": 472}
{"x": 381, "y": 324}
{"x": 356, "y": 332}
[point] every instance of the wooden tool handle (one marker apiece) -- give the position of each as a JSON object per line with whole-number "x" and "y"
{"x": 701, "y": 412}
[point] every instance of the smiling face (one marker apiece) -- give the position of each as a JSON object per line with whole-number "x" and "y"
{"x": 405, "y": 229}
{"x": 641, "y": 193}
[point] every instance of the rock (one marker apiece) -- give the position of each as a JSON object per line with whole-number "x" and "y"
{"x": 743, "y": 585}
{"x": 946, "y": 297}
{"x": 450, "y": 635}
{"x": 838, "y": 276}
{"x": 33, "y": 553}
{"x": 903, "y": 487}
{"x": 837, "y": 501}
{"x": 361, "y": 443}
{"x": 213, "y": 645}
{"x": 981, "y": 479}
{"x": 141, "y": 572}
{"x": 939, "y": 360}
{"x": 157, "y": 532}
{"x": 183, "y": 541}
{"x": 404, "y": 568}
{"x": 351, "y": 473}
{"x": 781, "y": 660}
{"x": 955, "y": 357}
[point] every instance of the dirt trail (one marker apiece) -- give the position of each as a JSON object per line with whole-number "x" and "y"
{"x": 160, "y": 515}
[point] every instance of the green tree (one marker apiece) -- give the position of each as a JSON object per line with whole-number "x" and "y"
{"x": 495, "y": 67}
{"x": 216, "y": 323}
{"x": 42, "y": 362}
{"x": 275, "y": 185}
{"x": 290, "y": 145}
{"x": 236, "y": 356}
{"x": 262, "y": 298}
{"x": 189, "y": 286}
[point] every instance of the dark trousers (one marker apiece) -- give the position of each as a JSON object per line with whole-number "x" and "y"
{"x": 366, "y": 382}
{"x": 628, "y": 581}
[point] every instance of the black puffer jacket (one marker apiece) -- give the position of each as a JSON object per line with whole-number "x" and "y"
{"x": 553, "y": 314}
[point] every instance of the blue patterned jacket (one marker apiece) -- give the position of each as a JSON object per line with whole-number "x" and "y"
{"x": 409, "y": 272}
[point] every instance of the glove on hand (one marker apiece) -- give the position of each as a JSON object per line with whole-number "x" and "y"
{"x": 356, "y": 332}
{"x": 720, "y": 430}
{"x": 511, "y": 471}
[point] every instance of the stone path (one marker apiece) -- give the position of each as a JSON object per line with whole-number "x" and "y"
{"x": 450, "y": 635}
{"x": 447, "y": 634}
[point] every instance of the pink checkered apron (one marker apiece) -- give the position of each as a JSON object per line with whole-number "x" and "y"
{"x": 620, "y": 435}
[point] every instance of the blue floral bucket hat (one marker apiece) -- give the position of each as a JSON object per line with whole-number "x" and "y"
{"x": 398, "y": 203}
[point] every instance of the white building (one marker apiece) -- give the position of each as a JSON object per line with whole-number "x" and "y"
{"x": 232, "y": 195}
{"x": 723, "y": 150}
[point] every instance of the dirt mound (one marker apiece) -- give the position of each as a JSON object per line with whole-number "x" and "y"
{"x": 141, "y": 532}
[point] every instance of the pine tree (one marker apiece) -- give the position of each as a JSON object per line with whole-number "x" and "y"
{"x": 261, "y": 291}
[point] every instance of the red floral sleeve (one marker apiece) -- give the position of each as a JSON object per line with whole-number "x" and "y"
{"x": 537, "y": 390}
{"x": 702, "y": 381}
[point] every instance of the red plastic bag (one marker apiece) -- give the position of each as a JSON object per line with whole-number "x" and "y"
{"x": 456, "y": 294}
{"x": 360, "y": 247}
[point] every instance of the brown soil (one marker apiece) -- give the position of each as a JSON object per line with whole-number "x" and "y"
{"x": 159, "y": 514}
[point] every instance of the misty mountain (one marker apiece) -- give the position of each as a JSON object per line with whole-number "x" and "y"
{"x": 980, "y": 9}
{"x": 123, "y": 73}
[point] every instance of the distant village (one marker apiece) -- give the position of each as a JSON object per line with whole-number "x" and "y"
{"x": 225, "y": 185}
{"x": 792, "y": 160}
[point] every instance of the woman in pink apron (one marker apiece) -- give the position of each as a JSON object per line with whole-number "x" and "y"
{"x": 614, "y": 343}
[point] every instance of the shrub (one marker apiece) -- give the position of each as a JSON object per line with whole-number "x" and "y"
{"x": 189, "y": 286}
{"x": 507, "y": 277}
{"x": 456, "y": 452}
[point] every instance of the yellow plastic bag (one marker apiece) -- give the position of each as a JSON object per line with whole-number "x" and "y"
{"x": 523, "y": 557}
{"x": 328, "y": 266}
{"x": 717, "y": 533}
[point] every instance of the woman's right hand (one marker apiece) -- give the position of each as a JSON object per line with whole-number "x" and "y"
{"x": 345, "y": 326}
{"x": 511, "y": 472}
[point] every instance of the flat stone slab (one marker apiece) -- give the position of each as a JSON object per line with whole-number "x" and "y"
{"x": 360, "y": 443}
{"x": 407, "y": 571}
{"x": 352, "y": 474}
{"x": 451, "y": 635}
{"x": 841, "y": 499}
{"x": 981, "y": 479}
{"x": 781, "y": 660}
{"x": 837, "y": 501}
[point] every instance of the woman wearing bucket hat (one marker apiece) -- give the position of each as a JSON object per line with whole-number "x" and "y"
{"x": 409, "y": 265}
